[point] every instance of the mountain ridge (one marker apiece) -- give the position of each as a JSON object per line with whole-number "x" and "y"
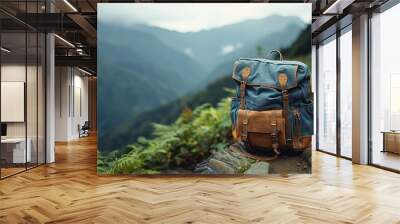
{"x": 209, "y": 43}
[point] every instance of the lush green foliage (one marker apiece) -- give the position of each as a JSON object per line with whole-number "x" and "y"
{"x": 141, "y": 124}
{"x": 179, "y": 146}
{"x": 105, "y": 162}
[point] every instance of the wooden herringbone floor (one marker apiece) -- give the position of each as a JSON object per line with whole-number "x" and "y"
{"x": 69, "y": 191}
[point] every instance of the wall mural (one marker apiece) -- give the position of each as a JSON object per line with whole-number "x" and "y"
{"x": 191, "y": 89}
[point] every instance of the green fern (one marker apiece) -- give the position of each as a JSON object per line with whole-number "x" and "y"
{"x": 181, "y": 145}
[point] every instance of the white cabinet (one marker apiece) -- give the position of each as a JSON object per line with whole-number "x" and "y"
{"x": 19, "y": 154}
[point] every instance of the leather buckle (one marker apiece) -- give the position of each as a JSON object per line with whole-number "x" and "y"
{"x": 243, "y": 84}
{"x": 285, "y": 94}
{"x": 244, "y": 132}
{"x": 274, "y": 133}
{"x": 244, "y": 126}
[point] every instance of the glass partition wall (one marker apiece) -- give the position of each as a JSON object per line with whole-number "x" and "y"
{"x": 334, "y": 94}
{"x": 13, "y": 90}
{"x": 326, "y": 100}
{"x": 385, "y": 90}
{"x": 345, "y": 67}
{"x": 22, "y": 98}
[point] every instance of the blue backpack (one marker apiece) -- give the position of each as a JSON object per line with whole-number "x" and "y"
{"x": 273, "y": 105}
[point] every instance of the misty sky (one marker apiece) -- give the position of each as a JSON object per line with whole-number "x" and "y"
{"x": 185, "y": 17}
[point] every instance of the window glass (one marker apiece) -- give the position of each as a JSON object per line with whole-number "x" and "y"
{"x": 385, "y": 84}
{"x": 327, "y": 96}
{"x": 346, "y": 94}
{"x": 15, "y": 150}
{"x": 31, "y": 100}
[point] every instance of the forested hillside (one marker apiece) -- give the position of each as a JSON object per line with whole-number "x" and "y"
{"x": 145, "y": 78}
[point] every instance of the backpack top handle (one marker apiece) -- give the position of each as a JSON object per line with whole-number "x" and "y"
{"x": 277, "y": 52}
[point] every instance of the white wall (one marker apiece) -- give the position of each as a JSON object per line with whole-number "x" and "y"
{"x": 71, "y": 102}
{"x": 33, "y": 127}
{"x": 62, "y": 81}
{"x": 16, "y": 73}
{"x": 80, "y": 112}
{"x": 10, "y": 73}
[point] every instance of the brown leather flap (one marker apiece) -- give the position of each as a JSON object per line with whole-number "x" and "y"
{"x": 261, "y": 121}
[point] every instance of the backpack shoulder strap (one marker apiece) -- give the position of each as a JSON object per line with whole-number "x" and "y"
{"x": 285, "y": 103}
{"x": 245, "y": 75}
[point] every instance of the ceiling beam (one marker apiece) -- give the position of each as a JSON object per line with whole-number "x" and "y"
{"x": 86, "y": 27}
{"x": 82, "y": 61}
{"x": 47, "y": 22}
{"x": 338, "y": 6}
{"x": 321, "y": 23}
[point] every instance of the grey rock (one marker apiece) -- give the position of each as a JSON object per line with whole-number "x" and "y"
{"x": 232, "y": 160}
{"x": 306, "y": 156}
{"x": 221, "y": 167}
{"x": 238, "y": 162}
{"x": 258, "y": 168}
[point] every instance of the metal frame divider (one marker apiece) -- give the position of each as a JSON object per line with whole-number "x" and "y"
{"x": 338, "y": 98}
{"x": 45, "y": 89}
{"x": 0, "y": 94}
{"x": 37, "y": 90}
{"x": 26, "y": 87}
{"x": 316, "y": 96}
{"x": 369, "y": 89}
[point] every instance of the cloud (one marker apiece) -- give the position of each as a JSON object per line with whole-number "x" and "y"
{"x": 229, "y": 48}
{"x": 191, "y": 17}
{"x": 188, "y": 52}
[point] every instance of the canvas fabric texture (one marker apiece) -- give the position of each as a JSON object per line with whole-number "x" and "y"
{"x": 273, "y": 105}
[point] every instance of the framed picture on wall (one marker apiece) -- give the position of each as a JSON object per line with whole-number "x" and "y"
{"x": 169, "y": 101}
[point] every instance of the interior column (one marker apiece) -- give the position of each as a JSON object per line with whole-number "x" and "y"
{"x": 50, "y": 92}
{"x": 360, "y": 90}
